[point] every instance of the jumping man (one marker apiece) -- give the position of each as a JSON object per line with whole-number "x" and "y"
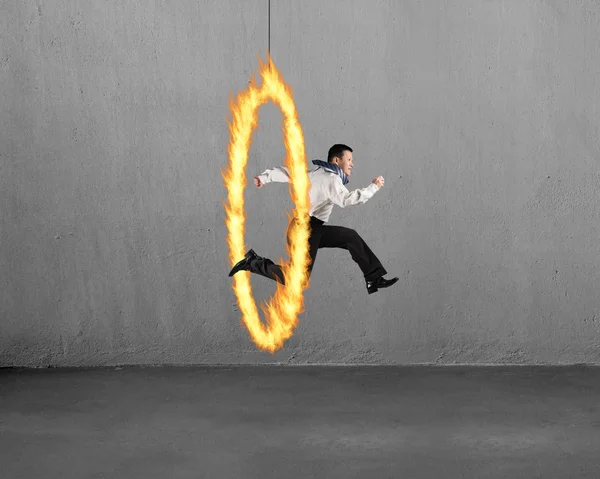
{"x": 328, "y": 188}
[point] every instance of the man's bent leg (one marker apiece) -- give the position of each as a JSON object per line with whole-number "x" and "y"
{"x": 348, "y": 239}
{"x": 267, "y": 268}
{"x": 259, "y": 265}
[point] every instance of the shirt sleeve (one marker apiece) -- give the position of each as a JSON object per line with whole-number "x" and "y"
{"x": 278, "y": 174}
{"x": 340, "y": 195}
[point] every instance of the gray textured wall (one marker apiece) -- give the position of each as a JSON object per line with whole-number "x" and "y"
{"x": 483, "y": 116}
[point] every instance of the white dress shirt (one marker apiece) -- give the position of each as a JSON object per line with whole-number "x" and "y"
{"x": 327, "y": 189}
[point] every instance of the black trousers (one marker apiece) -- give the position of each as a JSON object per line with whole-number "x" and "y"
{"x": 325, "y": 236}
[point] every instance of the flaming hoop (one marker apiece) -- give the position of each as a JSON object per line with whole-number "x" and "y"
{"x": 288, "y": 302}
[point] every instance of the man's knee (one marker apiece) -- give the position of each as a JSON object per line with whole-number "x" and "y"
{"x": 353, "y": 236}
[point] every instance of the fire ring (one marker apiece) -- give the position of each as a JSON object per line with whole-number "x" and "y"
{"x": 288, "y": 301}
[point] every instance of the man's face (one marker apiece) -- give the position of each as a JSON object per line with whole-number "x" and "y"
{"x": 345, "y": 162}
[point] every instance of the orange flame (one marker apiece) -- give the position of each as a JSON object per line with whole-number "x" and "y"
{"x": 288, "y": 302}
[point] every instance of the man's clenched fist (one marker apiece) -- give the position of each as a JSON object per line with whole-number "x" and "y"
{"x": 379, "y": 181}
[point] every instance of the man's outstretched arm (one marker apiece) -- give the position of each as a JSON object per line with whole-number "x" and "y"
{"x": 278, "y": 174}
{"x": 342, "y": 197}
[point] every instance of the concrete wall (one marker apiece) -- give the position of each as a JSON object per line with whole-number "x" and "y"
{"x": 482, "y": 116}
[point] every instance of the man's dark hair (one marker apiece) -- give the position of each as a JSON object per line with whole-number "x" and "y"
{"x": 337, "y": 150}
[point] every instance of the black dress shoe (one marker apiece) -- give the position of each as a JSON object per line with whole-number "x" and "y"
{"x": 373, "y": 286}
{"x": 244, "y": 264}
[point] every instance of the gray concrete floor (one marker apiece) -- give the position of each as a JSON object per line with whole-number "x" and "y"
{"x": 292, "y": 422}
